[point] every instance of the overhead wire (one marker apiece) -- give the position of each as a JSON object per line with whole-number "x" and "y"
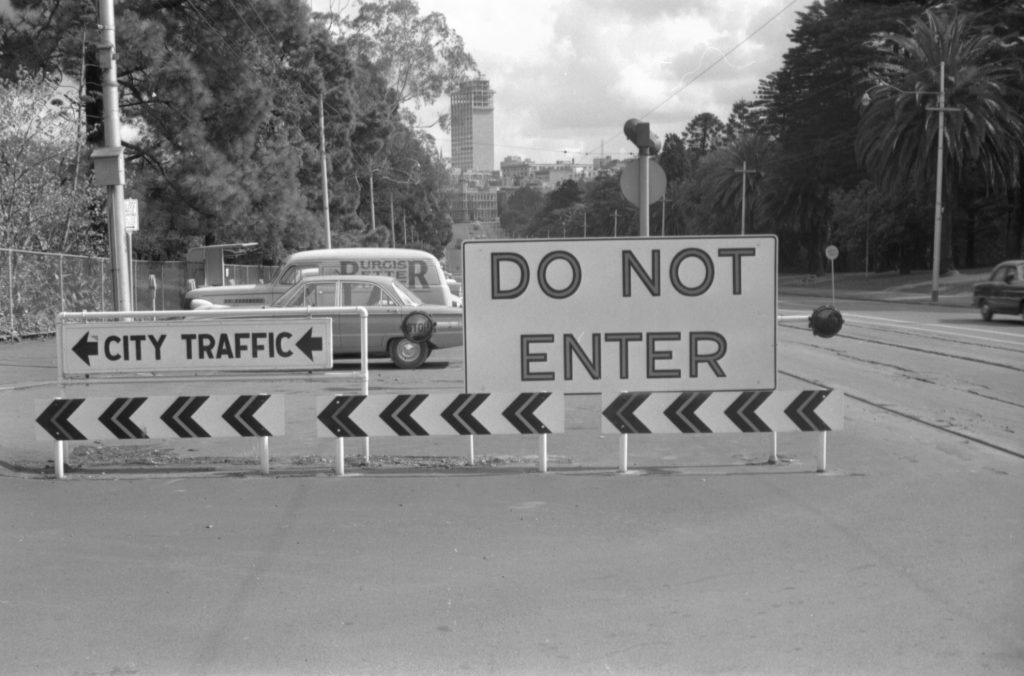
{"x": 710, "y": 66}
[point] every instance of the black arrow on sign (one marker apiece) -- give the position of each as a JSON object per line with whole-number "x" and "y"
{"x": 743, "y": 412}
{"x": 801, "y": 411}
{"x": 622, "y": 412}
{"x": 56, "y": 419}
{"x": 86, "y": 348}
{"x": 178, "y": 417}
{"x": 241, "y": 415}
{"x": 522, "y": 413}
{"x": 336, "y": 416}
{"x": 308, "y": 344}
{"x": 118, "y": 418}
{"x": 682, "y": 412}
{"x": 459, "y": 414}
{"x": 398, "y": 415}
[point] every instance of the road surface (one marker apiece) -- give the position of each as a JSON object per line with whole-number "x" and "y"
{"x": 906, "y": 557}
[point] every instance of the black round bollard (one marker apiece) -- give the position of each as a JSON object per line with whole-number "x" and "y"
{"x": 825, "y": 321}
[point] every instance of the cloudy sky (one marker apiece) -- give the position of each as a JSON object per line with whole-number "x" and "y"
{"x": 568, "y": 73}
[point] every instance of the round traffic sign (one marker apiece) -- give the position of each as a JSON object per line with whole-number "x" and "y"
{"x": 629, "y": 181}
{"x": 831, "y": 252}
{"x": 418, "y": 327}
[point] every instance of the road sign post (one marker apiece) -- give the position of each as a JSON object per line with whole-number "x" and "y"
{"x": 832, "y": 253}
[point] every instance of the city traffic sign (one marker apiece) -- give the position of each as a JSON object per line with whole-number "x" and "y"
{"x": 584, "y": 316}
{"x": 195, "y": 345}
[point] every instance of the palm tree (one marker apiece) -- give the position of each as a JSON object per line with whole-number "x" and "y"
{"x": 735, "y": 171}
{"x": 897, "y": 136}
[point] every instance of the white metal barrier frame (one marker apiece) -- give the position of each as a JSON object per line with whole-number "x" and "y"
{"x": 262, "y": 443}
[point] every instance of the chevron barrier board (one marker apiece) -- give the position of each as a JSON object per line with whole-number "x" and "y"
{"x": 164, "y": 417}
{"x": 440, "y": 414}
{"x": 710, "y": 412}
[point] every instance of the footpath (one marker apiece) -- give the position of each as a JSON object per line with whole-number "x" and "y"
{"x": 916, "y": 287}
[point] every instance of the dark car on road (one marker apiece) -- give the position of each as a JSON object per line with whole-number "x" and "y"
{"x": 1002, "y": 292}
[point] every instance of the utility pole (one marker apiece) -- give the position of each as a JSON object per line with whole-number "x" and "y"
{"x": 937, "y": 241}
{"x": 323, "y": 175}
{"x": 743, "y": 199}
{"x": 111, "y": 159}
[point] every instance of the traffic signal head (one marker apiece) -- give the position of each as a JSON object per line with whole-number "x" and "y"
{"x": 640, "y": 134}
{"x": 825, "y": 321}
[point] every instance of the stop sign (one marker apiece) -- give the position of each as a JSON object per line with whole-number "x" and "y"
{"x": 629, "y": 181}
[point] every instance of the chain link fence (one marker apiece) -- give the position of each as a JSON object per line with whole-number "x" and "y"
{"x": 36, "y": 286}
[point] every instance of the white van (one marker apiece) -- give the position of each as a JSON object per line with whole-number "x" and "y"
{"x": 418, "y": 270}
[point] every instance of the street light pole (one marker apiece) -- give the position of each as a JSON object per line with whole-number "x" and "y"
{"x": 323, "y": 176}
{"x": 112, "y": 140}
{"x": 937, "y": 240}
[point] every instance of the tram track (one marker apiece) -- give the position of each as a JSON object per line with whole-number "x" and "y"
{"x": 939, "y": 346}
{"x": 916, "y": 418}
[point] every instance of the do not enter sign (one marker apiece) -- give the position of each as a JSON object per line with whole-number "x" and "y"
{"x": 676, "y": 313}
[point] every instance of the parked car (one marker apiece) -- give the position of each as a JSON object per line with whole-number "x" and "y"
{"x": 1002, "y": 292}
{"x": 388, "y": 303}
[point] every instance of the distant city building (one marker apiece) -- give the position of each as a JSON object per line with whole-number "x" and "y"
{"x": 472, "y": 125}
{"x": 517, "y": 173}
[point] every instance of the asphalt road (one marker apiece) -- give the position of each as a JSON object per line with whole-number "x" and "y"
{"x": 906, "y": 557}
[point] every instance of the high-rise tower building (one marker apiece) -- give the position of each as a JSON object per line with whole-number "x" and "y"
{"x": 472, "y": 123}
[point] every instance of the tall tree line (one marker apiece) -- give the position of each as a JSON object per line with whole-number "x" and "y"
{"x": 221, "y": 111}
{"x": 840, "y": 144}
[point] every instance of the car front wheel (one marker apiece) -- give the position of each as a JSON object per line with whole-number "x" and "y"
{"x": 408, "y": 355}
{"x": 986, "y": 310}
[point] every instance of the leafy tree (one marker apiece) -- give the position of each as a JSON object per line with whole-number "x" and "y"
{"x": 220, "y": 102}
{"x": 746, "y": 119}
{"x": 45, "y": 200}
{"x": 734, "y": 173}
{"x": 604, "y": 204}
{"x": 810, "y": 111}
{"x": 36, "y": 34}
{"x": 875, "y": 229}
{"x": 420, "y": 57}
{"x": 561, "y": 208}
{"x": 898, "y": 135}
{"x": 520, "y": 209}
{"x": 673, "y": 157}
{"x": 703, "y": 134}
{"x": 218, "y": 107}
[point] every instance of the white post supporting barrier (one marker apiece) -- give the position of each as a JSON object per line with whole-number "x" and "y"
{"x": 58, "y": 461}
{"x": 364, "y": 363}
{"x": 623, "y": 453}
{"x": 472, "y": 454}
{"x": 542, "y": 461}
{"x": 822, "y": 451}
{"x": 263, "y": 444}
{"x": 339, "y": 461}
{"x": 774, "y": 458}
